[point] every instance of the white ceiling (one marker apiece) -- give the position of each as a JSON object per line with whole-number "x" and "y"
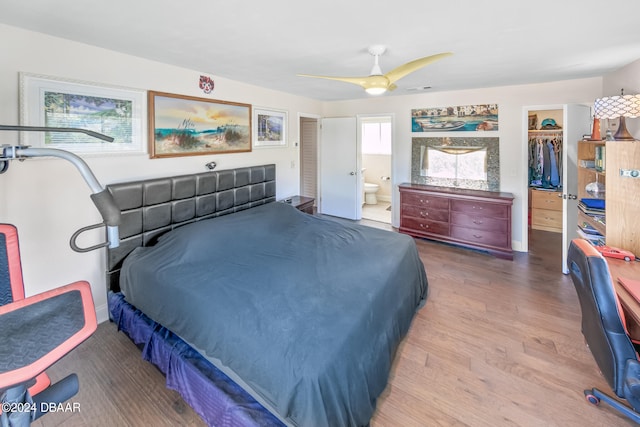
{"x": 266, "y": 43}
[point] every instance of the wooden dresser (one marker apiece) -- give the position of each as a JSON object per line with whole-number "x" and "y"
{"x": 471, "y": 218}
{"x": 546, "y": 210}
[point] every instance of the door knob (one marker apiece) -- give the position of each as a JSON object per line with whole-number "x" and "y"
{"x": 352, "y": 173}
{"x": 569, "y": 196}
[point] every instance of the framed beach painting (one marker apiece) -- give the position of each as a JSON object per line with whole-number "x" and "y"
{"x": 457, "y": 118}
{"x": 114, "y": 111}
{"x": 189, "y": 126}
{"x": 270, "y": 128}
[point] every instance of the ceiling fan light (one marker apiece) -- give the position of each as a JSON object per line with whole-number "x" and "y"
{"x": 375, "y": 90}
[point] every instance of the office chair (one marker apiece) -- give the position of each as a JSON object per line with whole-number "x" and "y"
{"x": 603, "y": 327}
{"x": 36, "y": 332}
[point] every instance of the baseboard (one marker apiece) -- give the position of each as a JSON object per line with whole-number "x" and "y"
{"x": 516, "y": 245}
{"x": 102, "y": 313}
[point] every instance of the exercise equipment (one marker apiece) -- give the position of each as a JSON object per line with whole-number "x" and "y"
{"x": 101, "y": 197}
{"x": 37, "y": 331}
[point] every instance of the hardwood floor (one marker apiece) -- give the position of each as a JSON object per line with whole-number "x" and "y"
{"x": 498, "y": 343}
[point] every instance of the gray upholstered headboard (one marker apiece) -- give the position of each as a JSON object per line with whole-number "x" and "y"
{"x": 154, "y": 206}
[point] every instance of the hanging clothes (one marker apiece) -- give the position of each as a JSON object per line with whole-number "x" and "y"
{"x": 554, "y": 176}
{"x": 545, "y": 160}
{"x": 546, "y": 166}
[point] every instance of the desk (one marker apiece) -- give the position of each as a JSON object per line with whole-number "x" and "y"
{"x": 630, "y": 306}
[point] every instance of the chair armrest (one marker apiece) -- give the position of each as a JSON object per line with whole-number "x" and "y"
{"x": 37, "y": 331}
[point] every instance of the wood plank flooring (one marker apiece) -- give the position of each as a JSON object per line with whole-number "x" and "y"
{"x": 498, "y": 343}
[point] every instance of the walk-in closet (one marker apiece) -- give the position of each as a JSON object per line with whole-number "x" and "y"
{"x": 545, "y": 147}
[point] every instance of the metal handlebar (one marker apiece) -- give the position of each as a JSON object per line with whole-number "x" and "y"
{"x": 101, "y": 197}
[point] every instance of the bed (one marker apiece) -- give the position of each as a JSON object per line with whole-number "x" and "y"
{"x": 257, "y": 313}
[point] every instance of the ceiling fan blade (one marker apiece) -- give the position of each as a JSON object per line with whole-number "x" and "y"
{"x": 360, "y": 81}
{"x": 368, "y": 82}
{"x": 408, "y": 68}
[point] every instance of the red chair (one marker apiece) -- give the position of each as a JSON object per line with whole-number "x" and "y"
{"x": 35, "y": 333}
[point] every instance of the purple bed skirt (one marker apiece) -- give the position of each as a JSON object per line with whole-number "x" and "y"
{"x": 213, "y": 395}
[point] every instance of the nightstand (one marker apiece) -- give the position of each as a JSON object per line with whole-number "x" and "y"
{"x": 302, "y": 203}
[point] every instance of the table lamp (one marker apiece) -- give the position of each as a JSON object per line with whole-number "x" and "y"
{"x": 621, "y": 106}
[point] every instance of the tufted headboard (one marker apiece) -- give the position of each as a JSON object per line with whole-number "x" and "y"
{"x": 154, "y": 206}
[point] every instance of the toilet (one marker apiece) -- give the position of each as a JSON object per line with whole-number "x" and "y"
{"x": 370, "y": 191}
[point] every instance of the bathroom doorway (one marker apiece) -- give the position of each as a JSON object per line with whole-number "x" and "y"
{"x": 376, "y": 155}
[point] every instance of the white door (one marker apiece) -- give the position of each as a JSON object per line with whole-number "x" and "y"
{"x": 576, "y": 124}
{"x": 339, "y": 170}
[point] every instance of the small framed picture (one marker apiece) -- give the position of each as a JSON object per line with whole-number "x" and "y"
{"x": 270, "y": 128}
{"x": 64, "y": 103}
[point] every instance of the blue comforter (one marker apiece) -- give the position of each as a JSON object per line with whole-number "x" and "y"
{"x": 305, "y": 311}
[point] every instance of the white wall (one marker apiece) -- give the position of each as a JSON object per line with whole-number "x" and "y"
{"x": 627, "y": 78}
{"x": 511, "y": 101}
{"x": 48, "y": 200}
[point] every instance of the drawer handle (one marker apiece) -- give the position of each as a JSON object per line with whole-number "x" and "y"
{"x": 477, "y": 236}
{"x": 424, "y": 201}
{"x": 424, "y": 225}
{"x": 424, "y": 214}
{"x": 477, "y": 222}
{"x": 477, "y": 207}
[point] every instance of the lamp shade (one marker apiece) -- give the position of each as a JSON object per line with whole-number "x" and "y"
{"x": 613, "y": 107}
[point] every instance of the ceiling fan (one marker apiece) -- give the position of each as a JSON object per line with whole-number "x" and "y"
{"x": 377, "y": 83}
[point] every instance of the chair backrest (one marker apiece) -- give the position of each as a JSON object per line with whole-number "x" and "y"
{"x": 602, "y": 318}
{"x": 11, "y": 284}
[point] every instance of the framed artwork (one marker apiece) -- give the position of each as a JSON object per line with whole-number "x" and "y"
{"x": 270, "y": 128}
{"x": 459, "y": 118}
{"x": 54, "y": 102}
{"x": 190, "y": 126}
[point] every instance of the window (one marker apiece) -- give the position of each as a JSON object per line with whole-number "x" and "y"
{"x": 461, "y": 163}
{"x": 376, "y": 136}
{"x": 457, "y": 166}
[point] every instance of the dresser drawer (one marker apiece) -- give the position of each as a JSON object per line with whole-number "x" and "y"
{"x": 546, "y": 200}
{"x": 425, "y": 225}
{"x": 425, "y": 212}
{"x": 432, "y": 202}
{"x": 479, "y": 237}
{"x": 479, "y": 222}
{"x": 480, "y": 208}
{"x": 546, "y": 218}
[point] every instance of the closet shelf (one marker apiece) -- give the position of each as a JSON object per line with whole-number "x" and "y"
{"x": 543, "y": 131}
{"x": 593, "y": 170}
